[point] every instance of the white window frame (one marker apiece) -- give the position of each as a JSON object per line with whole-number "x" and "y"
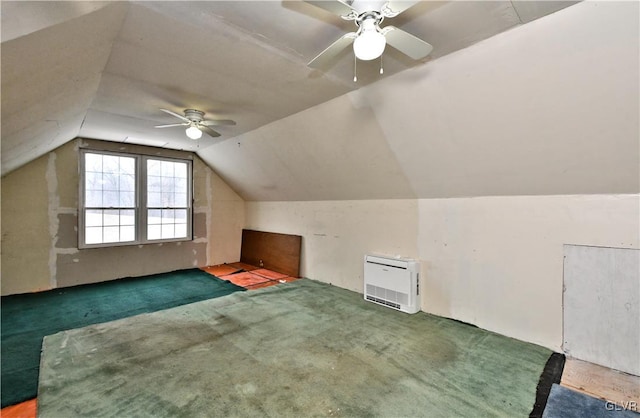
{"x": 140, "y": 197}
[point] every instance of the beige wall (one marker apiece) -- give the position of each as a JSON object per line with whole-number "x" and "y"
{"x": 337, "y": 234}
{"x": 495, "y": 262}
{"x": 39, "y": 227}
{"x": 25, "y": 229}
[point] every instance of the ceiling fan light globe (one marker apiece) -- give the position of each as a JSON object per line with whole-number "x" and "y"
{"x": 369, "y": 45}
{"x": 193, "y": 132}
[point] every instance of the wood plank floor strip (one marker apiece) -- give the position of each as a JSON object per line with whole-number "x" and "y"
{"x": 601, "y": 382}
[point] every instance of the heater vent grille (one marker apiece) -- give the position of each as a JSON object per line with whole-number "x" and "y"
{"x": 387, "y": 295}
{"x": 384, "y": 302}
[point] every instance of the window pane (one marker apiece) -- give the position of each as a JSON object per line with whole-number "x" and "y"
{"x": 93, "y": 199}
{"x": 127, "y": 166}
{"x": 128, "y": 217}
{"x": 180, "y": 200}
{"x": 93, "y": 162}
{"x": 111, "y": 234}
{"x": 127, "y": 233}
{"x": 153, "y": 168}
{"x": 181, "y": 185}
{"x": 168, "y": 200}
{"x": 154, "y": 232}
{"x": 167, "y": 168}
{"x": 181, "y": 231}
{"x": 154, "y": 217}
{"x": 127, "y": 183}
{"x": 93, "y": 235}
{"x": 110, "y": 199}
{"x": 154, "y": 183}
{"x": 93, "y": 181}
{"x": 181, "y": 170}
{"x": 127, "y": 200}
{"x": 181, "y": 216}
{"x": 154, "y": 200}
{"x": 167, "y": 231}
{"x": 167, "y": 216}
{"x": 111, "y": 217}
{"x": 168, "y": 185}
{"x": 93, "y": 218}
{"x": 110, "y": 164}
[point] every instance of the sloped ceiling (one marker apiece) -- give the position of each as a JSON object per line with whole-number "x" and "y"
{"x": 103, "y": 69}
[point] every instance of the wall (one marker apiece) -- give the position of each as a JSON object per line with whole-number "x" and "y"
{"x": 25, "y": 229}
{"x": 495, "y": 262}
{"x": 39, "y": 228}
{"x": 337, "y": 234}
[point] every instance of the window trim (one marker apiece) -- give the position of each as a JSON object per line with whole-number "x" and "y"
{"x": 141, "y": 208}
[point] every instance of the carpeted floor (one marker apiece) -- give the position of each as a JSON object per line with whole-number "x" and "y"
{"x": 297, "y": 349}
{"x": 27, "y": 318}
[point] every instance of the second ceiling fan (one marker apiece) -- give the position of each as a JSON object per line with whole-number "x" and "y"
{"x": 196, "y": 124}
{"x": 370, "y": 39}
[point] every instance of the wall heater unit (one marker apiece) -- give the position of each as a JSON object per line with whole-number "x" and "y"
{"x": 392, "y": 282}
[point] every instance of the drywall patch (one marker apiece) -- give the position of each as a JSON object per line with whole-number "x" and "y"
{"x": 199, "y": 225}
{"x": 67, "y": 231}
{"x": 53, "y": 206}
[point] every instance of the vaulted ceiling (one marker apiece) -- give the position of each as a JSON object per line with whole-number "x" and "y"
{"x": 102, "y": 69}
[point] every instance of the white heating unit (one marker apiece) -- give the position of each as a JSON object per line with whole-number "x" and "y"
{"x": 392, "y": 282}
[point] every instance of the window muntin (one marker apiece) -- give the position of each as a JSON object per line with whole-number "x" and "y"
{"x": 133, "y": 199}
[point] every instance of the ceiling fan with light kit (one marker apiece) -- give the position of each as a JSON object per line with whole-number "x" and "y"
{"x": 196, "y": 124}
{"x": 370, "y": 39}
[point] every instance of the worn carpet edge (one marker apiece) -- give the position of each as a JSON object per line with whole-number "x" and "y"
{"x": 551, "y": 374}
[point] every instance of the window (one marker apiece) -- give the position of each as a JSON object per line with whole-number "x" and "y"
{"x": 133, "y": 199}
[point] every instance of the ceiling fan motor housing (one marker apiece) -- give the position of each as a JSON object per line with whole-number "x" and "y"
{"x": 194, "y": 115}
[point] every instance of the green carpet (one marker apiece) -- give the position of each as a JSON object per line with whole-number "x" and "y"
{"x": 27, "y": 318}
{"x": 298, "y": 349}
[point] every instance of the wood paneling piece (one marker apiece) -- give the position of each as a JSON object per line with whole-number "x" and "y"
{"x": 273, "y": 251}
{"x": 601, "y": 306}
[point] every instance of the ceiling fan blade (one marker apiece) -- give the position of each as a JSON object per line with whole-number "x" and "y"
{"x": 176, "y": 115}
{"x": 171, "y": 125}
{"x": 208, "y": 131}
{"x": 332, "y": 51}
{"x": 394, "y": 8}
{"x": 334, "y": 6}
{"x": 406, "y": 43}
{"x": 218, "y": 122}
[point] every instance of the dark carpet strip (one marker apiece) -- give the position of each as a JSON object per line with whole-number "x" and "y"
{"x": 28, "y": 318}
{"x": 551, "y": 374}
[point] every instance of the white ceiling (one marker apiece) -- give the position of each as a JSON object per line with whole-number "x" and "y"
{"x": 102, "y": 69}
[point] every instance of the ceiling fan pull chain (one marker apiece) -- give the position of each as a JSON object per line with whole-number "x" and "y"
{"x": 355, "y": 73}
{"x": 381, "y": 69}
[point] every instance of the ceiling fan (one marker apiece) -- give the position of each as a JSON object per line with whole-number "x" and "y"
{"x": 196, "y": 124}
{"x": 370, "y": 39}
